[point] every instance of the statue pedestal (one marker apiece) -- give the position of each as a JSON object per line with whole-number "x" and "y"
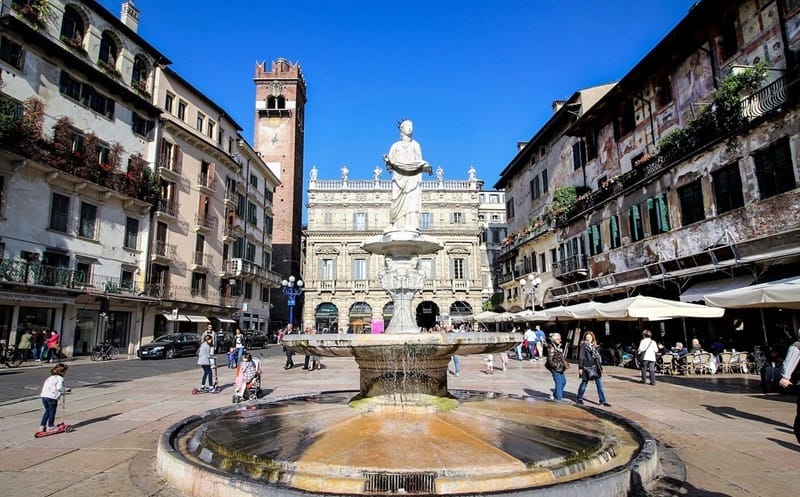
{"x": 402, "y": 278}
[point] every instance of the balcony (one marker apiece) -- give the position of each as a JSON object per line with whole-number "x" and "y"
{"x": 32, "y": 273}
{"x": 202, "y": 261}
{"x": 205, "y": 223}
{"x": 109, "y": 284}
{"x": 167, "y": 209}
{"x": 231, "y": 198}
{"x": 572, "y": 268}
{"x": 205, "y": 183}
{"x": 158, "y": 290}
{"x": 241, "y": 268}
{"x": 359, "y": 286}
{"x": 169, "y": 169}
{"x": 163, "y": 252}
{"x": 229, "y": 234}
{"x": 326, "y": 286}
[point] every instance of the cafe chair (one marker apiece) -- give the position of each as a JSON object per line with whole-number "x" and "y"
{"x": 725, "y": 359}
{"x": 666, "y": 364}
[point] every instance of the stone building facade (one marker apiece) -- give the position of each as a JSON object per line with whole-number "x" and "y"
{"x": 343, "y": 290}
{"x": 681, "y": 184}
{"x": 126, "y": 195}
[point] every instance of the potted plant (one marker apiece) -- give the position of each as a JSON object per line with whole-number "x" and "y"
{"x": 35, "y": 12}
{"x": 109, "y": 69}
{"x": 75, "y": 43}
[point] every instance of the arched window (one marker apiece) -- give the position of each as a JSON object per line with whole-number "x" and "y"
{"x": 271, "y": 102}
{"x": 140, "y": 71}
{"x": 281, "y": 102}
{"x": 108, "y": 50}
{"x": 72, "y": 25}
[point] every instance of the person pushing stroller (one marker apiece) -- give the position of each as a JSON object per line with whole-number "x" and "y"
{"x": 248, "y": 376}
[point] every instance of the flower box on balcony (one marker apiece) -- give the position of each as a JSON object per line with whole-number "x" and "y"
{"x": 109, "y": 69}
{"x": 75, "y": 43}
{"x": 141, "y": 88}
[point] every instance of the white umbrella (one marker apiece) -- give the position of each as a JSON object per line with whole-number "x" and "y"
{"x": 655, "y": 309}
{"x": 781, "y": 293}
{"x": 487, "y": 317}
{"x": 529, "y": 315}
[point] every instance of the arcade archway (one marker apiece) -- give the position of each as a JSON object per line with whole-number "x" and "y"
{"x": 325, "y": 318}
{"x": 427, "y": 312}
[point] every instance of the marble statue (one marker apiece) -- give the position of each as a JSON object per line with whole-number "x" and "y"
{"x": 313, "y": 173}
{"x": 471, "y": 171}
{"x": 440, "y": 174}
{"x": 345, "y": 172}
{"x": 376, "y": 173}
{"x": 405, "y": 161}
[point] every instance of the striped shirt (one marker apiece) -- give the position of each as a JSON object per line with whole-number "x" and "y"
{"x": 791, "y": 361}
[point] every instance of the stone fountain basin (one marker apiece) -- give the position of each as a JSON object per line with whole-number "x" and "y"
{"x": 384, "y": 345}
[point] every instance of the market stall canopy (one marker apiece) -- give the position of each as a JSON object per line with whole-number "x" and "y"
{"x": 779, "y": 293}
{"x": 696, "y": 292}
{"x": 529, "y": 315}
{"x": 655, "y": 309}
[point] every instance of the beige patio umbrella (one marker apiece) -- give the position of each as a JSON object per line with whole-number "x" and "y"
{"x": 655, "y": 309}
{"x": 529, "y": 315}
{"x": 781, "y": 293}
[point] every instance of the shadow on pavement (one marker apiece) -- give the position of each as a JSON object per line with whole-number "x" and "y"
{"x": 732, "y": 413}
{"x": 95, "y": 420}
{"x": 782, "y": 443}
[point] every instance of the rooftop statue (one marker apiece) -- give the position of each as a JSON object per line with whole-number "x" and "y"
{"x": 405, "y": 161}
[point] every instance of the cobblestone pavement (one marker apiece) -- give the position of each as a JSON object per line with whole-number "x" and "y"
{"x": 734, "y": 440}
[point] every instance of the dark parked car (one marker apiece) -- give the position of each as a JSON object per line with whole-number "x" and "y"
{"x": 255, "y": 339}
{"x": 224, "y": 342}
{"x": 169, "y": 346}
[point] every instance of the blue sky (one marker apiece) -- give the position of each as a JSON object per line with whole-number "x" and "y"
{"x": 476, "y": 76}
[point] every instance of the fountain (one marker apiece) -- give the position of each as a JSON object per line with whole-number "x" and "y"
{"x": 404, "y": 431}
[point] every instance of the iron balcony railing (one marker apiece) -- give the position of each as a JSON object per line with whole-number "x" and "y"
{"x": 202, "y": 259}
{"x": 570, "y": 265}
{"x": 206, "y": 180}
{"x": 164, "y": 249}
{"x": 110, "y": 284}
{"x": 167, "y": 206}
{"x": 170, "y": 165}
{"x": 207, "y": 222}
{"x": 33, "y": 273}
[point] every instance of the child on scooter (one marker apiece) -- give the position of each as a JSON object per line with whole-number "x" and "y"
{"x": 52, "y": 390}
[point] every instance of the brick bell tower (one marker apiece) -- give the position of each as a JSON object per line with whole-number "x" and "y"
{"x": 279, "y": 138}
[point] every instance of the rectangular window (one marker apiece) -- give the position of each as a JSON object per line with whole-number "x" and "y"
{"x": 327, "y": 218}
{"x": 69, "y": 86}
{"x": 241, "y": 205}
{"x": 459, "y": 269}
{"x": 198, "y": 284}
{"x": 210, "y": 129}
{"x": 254, "y": 181}
{"x": 635, "y": 223}
{"x": 327, "y": 270}
{"x": 457, "y": 218}
{"x": 510, "y": 209}
{"x": 691, "y": 197}
{"x": 268, "y": 224}
{"x": 613, "y": 228}
{"x": 595, "y": 243}
{"x": 252, "y": 216}
{"x": 627, "y": 122}
{"x": 103, "y": 153}
{"x": 578, "y": 154}
{"x": 131, "y": 232}
{"x": 11, "y": 52}
{"x": 248, "y": 291}
{"x": 200, "y": 120}
{"x": 425, "y": 220}
{"x": 543, "y": 262}
{"x": 142, "y": 126}
{"x": 169, "y": 102}
{"x": 728, "y": 188}
{"x": 85, "y": 268}
{"x": 545, "y": 186}
{"x": 535, "y": 189}
{"x": 659, "y": 214}
{"x": 360, "y": 269}
{"x": 774, "y": 169}
{"x": 88, "y": 220}
{"x": 126, "y": 279}
{"x": 427, "y": 267}
{"x": 59, "y": 213}
{"x": 251, "y": 252}
{"x": 360, "y": 221}
{"x": 181, "y": 110}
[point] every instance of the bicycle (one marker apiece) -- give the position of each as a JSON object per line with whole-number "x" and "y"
{"x": 106, "y": 350}
{"x": 10, "y": 356}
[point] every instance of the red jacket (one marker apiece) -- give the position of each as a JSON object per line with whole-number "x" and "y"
{"x": 52, "y": 341}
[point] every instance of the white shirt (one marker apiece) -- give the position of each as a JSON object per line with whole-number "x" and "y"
{"x": 647, "y": 345}
{"x": 53, "y": 387}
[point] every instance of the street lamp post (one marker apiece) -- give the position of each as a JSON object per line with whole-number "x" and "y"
{"x": 529, "y": 286}
{"x": 292, "y": 288}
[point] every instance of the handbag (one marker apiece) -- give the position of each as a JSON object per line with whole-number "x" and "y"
{"x": 591, "y": 372}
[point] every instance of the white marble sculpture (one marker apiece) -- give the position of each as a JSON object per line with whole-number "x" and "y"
{"x": 405, "y": 161}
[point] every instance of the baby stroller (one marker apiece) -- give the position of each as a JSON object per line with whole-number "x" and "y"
{"x": 252, "y": 390}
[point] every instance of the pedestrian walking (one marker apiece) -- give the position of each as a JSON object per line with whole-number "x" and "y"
{"x": 52, "y": 390}
{"x": 647, "y": 356}
{"x": 289, "y": 360}
{"x": 557, "y": 364}
{"x": 238, "y": 343}
{"x": 590, "y": 367}
{"x": 38, "y": 344}
{"x": 24, "y": 345}
{"x": 52, "y": 344}
{"x": 530, "y": 341}
{"x": 538, "y": 341}
{"x": 790, "y": 374}
{"x": 204, "y": 361}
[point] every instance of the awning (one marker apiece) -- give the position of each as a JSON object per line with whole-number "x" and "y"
{"x": 225, "y": 320}
{"x": 696, "y": 292}
{"x": 782, "y": 293}
{"x": 197, "y": 319}
{"x": 181, "y": 317}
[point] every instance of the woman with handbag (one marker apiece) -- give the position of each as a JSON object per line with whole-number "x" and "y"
{"x": 590, "y": 367}
{"x": 557, "y": 364}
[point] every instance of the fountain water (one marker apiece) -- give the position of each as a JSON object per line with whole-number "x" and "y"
{"x": 404, "y": 431}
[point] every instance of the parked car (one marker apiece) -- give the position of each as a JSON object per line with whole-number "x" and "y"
{"x": 255, "y": 339}
{"x": 169, "y": 346}
{"x": 224, "y": 342}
